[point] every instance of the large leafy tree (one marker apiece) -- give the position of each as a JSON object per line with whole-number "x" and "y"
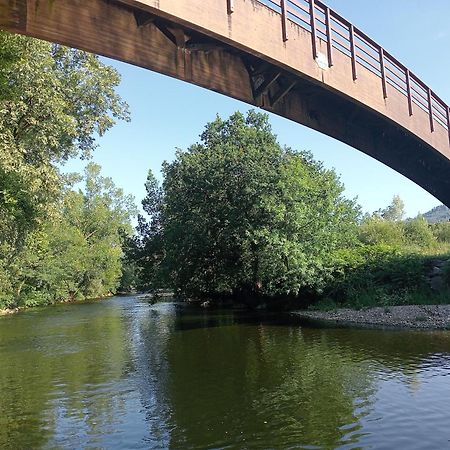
{"x": 241, "y": 214}
{"x": 53, "y": 103}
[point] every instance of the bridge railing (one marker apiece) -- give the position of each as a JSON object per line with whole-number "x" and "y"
{"x": 339, "y": 34}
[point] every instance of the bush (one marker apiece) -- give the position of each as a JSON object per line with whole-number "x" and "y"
{"x": 441, "y": 232}
{"x": 418, "y": 232}
{"x": 385, "y": 277}
{"x": 36, "y": 298}
{"x": 376, "y": 230}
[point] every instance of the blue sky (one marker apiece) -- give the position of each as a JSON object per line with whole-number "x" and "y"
{"x": 168, "y": 114}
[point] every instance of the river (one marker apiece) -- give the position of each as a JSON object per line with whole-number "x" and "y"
{"x": 123, "y": 374}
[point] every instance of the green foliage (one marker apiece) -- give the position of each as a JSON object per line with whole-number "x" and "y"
{"x": 395, "y": 211}
{"x": 382, "y": 275}
{"x": 375, "y": 230}
{"x": 78, "y": 254}
{"x": 412, "y": 233}
{"x": 393, "y": 264}
{"x": 441, "y": 232}
{"x": 446, "y": 272}
{"x": 399, "y": 273}
{"x": 53, "y": 103}
{"x": 129, "y": 281}
{"x": 55, "y": 243}
{"x": 324, "y": 304}
{"x": 239, "y": 214}
{"x": 418, "y": 232}
{"x": 145, "y": 253}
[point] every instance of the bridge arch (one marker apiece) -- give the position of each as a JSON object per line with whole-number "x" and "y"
{"x": 296, "y": 58}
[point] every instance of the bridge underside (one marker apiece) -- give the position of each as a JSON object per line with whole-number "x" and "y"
{"x": 168, "y": 45}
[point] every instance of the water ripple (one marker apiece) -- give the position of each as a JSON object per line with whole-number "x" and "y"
{"x": 126, "y": 374}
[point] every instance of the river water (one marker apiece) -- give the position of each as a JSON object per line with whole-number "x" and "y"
{"x": 123, "y": 374}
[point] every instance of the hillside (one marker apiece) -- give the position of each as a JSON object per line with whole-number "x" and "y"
{"x": 438, "y": 214}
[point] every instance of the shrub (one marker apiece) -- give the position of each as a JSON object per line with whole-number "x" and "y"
{"x": 376, "y": 230}
{"x": 441, "y": 232}
{"x": 418, "y": 232}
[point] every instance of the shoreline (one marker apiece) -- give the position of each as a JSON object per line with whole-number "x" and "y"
{"x": 17, "y": 309}
{"x": 9, "y": 311}
{"x": 418, "y": 317}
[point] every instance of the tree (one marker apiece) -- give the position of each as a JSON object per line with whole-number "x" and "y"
{"x": 241, "y": 214}
{"x": 145, "y": 251}
{"x": 375, "y": 230}
{"x": 395, "y": 211}
{"x": 419, "y": 232}
{"x": 78, "y": 254}
{"x": 53, "y": 103}
{"x": 102, "y": 214}
{"x": 441, "y": 231}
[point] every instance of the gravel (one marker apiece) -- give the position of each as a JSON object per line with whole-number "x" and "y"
{"x": 411, "y": 316}
{"x": 6, "y": 312}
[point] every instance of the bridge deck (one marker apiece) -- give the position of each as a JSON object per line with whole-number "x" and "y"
{"x": 296, "y": 58}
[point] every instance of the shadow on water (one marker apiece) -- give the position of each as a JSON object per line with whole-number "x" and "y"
{"x": 387, "y": 345}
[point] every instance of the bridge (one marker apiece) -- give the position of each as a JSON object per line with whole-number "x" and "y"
{"x": 296, "y": 58}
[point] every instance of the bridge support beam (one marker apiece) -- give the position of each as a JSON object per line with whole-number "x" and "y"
{"x": 203, "y": 51}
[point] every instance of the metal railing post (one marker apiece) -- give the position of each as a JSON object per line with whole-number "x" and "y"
{"x": 355, "y": 35}
{"x": 430, "y": 109}
{"x": 329, "y": 36}
{"x": 408, "y": 92}
{"x": 447, "y": 110}
{"x": 353, "y": 51}
{"x": 383, "y": 73}
{"x": 312, "y": 21}
{"x": 284, "y": 20}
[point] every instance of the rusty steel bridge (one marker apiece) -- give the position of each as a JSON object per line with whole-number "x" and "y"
{"x": 296, "y": 58}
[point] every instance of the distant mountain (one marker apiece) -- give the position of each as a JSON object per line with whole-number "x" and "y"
{"x": 439, "y": 214}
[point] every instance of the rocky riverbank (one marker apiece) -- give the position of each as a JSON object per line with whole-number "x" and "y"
{"x": 8, "y": 311}
{"x": 411, "y": 316}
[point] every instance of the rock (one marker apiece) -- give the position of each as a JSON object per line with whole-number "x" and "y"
{"x": 437, "y": 283}
{"x": 206, "y": 304}
{"x": 436, "y": 271}
{"x": 8, "y": 311}
{"x": 410, "y": 316}
{"x": 439, "y": 262}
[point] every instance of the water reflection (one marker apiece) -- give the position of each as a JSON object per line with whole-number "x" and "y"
{"x": 55, "y": 376}
{"x": 268, "y": 386}
{"x": 125, "y": 374}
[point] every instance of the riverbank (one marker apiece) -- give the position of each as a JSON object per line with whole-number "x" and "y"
{"x": 8, "y": 311}
{"x": 408, "y": 316}
{"x": 17, "y": 309}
